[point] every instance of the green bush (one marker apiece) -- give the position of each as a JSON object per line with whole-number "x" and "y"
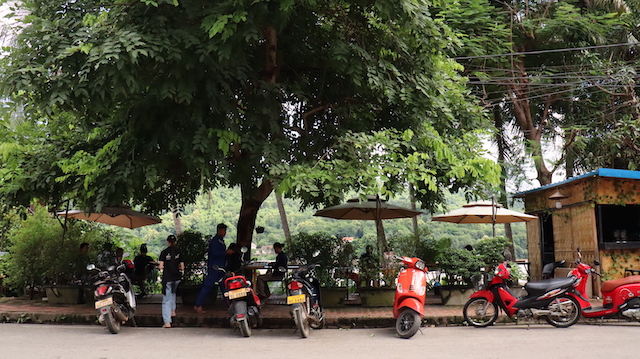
{"x": 332, "y": 253}
{"x": 39, "y": 254}
{"x": 458, "y": 265}
{"x": 491, "y": 251}
{"x": 194, "y": 248}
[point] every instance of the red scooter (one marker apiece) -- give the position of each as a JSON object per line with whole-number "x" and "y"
{"x": 408, "y": 303}
{"x": 620, "y": 297}
{"x": 554, "y": 299}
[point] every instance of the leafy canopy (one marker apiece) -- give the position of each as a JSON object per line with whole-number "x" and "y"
{"x": 149, "y": 102}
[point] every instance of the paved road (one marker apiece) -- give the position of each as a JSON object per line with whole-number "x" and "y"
{"x": 505, "y": 341}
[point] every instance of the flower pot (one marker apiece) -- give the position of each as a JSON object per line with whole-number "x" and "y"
{"x": 377, "y": 297}
{"x": 332, "y": 297}
{"x": 64, "y": 294}
{"x": 455, "y": 295}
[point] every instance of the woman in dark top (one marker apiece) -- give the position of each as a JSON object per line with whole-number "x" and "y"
{"x": 172, "y": 266}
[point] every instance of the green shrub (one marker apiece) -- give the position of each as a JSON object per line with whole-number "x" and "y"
{"x": 39, "y": 253}
{"x": 332, "y": 253}
{"x": 491, "y": 251}
{"x": 458, "y": 265}
{"x": 194, "y": 248}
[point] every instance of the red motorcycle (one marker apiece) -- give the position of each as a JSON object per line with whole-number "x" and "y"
{"x": 620, "y": 297}
{"x": 554, "y": 299}
{"x": 408, "y": 303}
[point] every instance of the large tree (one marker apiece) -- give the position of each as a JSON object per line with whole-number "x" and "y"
{"x": 554, "y": 69}
{"x": 148, "y": 102}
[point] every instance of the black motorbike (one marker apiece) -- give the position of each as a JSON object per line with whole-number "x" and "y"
{"x": 304, "y": 298}
{"x": 114, "y": 296}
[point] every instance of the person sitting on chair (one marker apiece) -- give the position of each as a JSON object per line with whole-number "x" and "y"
{"x": 276, "y": 272}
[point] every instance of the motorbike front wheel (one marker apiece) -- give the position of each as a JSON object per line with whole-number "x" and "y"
{"x": 480, "y": 312}
{"x": 408, "y": 323}
{"x": 112, "y": 323}
{"x": 302, "y": 320}
{"x": 565, "y": 312}
{"x": 319, "y": 324}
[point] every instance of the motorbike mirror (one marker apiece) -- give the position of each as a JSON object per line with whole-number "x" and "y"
{"x": 91, "y": 266}
{"x": 244, "y": 249}
{"x": 597, "y": 263}
{"x": 282, "y": 269}
{"x": 125, "y": 254}
{"x": 315, "y": 253}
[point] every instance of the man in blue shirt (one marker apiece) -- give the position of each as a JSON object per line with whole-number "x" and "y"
{"x": 217, "y": 257}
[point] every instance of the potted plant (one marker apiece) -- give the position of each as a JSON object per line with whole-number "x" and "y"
{"x": 334, "y": 257}
{"x": 377, "y": 275}
{"x": 459, "y": 265}
{"x": 193, "y": 247}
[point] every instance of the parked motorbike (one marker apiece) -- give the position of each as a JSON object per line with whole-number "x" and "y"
{"x": 620, "y": 297}
{"x": 114, "y": 296}
{"x": 408, "y": 303}
{"x": 244, "y": 303}
{"x": 304, "y": 298}
{"x": 553, "y": 299}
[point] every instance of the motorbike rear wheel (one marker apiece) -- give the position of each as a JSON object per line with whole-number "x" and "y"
{"x": 240, "y": 308}
{"x": 566, "y": 312}
{"x": 302, "y": 320}
{"x": 112, "y": 323}
{"x": 408, "y": 323}
{"x": 480, "y": 312}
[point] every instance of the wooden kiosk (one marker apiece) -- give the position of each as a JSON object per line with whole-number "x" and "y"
{"x": 598, "y": 212}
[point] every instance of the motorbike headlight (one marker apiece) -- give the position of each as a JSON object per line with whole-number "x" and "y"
{"x": 420, "y": 265}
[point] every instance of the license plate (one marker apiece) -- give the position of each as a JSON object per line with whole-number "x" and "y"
{"x": 300, "y": 298}
{"x": 237, "y": 293}
{"x": 104, "y": 302}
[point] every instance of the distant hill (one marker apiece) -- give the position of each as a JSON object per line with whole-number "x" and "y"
{"x": 223, "y": 205}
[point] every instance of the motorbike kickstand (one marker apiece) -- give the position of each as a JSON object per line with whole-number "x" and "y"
{"x": 133, "y": 322}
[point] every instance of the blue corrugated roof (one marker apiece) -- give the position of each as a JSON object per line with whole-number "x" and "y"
{"x": 601, "y": 172}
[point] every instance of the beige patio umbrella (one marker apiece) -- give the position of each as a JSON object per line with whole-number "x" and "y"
{"x": 373, "y": 208}
{"x": 484, "y": 212}
{"x": 117, "y": 216}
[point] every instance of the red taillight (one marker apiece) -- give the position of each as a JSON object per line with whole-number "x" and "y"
{"x": 101, "y": 290}
{"x": 240, "y": 315}
{"x": 295, "y": 285}
{"x": 235, "y": 285}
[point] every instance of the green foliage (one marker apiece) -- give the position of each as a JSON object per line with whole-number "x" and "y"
{"x": 490, "y": 251}
{"x": 334, "y": 255}
{"x": 459, "y": 265}
{"x": 193, "y": 247}
{"x": 151, "y": 102}
{"x": 39, "y": 253}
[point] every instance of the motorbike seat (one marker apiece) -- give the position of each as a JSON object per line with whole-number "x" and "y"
{"x": 610, "y": 285}
{"x": 548, "y": 284}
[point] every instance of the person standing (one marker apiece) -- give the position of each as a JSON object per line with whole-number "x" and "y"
{"x": 276, "y": 272}
{"x": 172, "y": 267}
{"x": 216, "y": 258}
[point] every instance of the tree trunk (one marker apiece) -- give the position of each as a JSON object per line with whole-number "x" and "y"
{"x": 283, "y": 218}
{"x": 177, "y": 223}
{"x": 519, "y": 92}
{"x": 502, "y": 150}
{"x": 252, "y": 199}
{"x": 414, "y": 219}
